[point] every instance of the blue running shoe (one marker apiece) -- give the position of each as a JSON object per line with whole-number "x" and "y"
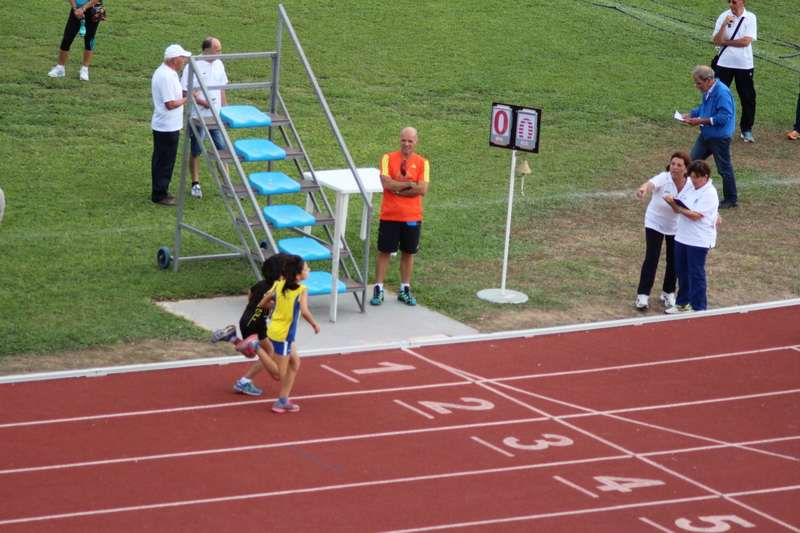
{"x": 406, "y": 297}
{"x": 287, "y": 407}
{"x": 224, "y": 334}
{"x": 247, "y": 389}
{"x": 377, "y": 296}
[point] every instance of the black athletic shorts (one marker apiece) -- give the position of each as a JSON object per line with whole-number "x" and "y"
{"x": 403, "y": 235}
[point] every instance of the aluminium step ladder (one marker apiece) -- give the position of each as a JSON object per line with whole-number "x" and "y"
{"x": 281, "y": 225}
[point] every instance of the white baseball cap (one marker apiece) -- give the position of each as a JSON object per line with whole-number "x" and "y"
{"x": 175, "y": 50}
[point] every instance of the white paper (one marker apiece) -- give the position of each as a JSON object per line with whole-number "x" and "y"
{"x": 678, "y": 116}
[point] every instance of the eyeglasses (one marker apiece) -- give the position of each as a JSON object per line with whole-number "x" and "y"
{"x": 403, "y": 168}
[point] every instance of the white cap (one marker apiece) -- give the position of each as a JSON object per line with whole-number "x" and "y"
{"x": 175, "y": 50}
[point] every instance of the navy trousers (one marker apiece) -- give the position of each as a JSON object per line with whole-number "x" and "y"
{"x": 165, "y": 151}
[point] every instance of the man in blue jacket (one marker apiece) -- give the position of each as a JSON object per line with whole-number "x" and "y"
{"x": 716, "y": 118}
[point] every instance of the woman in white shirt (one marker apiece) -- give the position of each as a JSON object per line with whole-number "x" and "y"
{"x": 697, "y": 234}
{"x": 660, "y": 224}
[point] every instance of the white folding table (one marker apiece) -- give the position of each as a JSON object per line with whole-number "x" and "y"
{"x": 343, "y": 182}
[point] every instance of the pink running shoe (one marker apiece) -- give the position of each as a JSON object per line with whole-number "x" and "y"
{"x": 287, "y": 407}
{"x": 249, "y": 346}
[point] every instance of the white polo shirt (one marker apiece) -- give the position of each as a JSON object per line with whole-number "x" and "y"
{"x": 700, "y": 233}
{"x": 166, "y": 87}
{"x": 660, "y": 216}
{"x": 737, "y": 56}
{"x": 213, "y": 73}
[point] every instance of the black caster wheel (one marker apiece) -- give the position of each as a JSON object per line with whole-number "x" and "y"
{"x": 163, "y": 258}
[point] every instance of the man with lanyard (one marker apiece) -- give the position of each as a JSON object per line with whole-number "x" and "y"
{"x": 735, "y": 29}
{"x": 405, "y": 176}
{"x": 716, "y": 118}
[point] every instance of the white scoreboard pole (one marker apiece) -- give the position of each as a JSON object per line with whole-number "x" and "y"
{"x": 514, "y": 128}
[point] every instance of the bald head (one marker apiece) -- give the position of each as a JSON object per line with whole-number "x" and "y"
{"x": 408, "y": 141}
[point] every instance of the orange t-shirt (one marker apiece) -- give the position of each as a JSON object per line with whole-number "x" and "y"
{"x": 402, "y": 208}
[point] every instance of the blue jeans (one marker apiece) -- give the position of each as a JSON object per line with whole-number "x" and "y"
{"x": 721, "y": 150}
{"x": 690, "y": 265}
{"x": 216, "y": 136}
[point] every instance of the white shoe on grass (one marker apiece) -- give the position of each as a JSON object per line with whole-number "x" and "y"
{"x": 642, "y": 301}
{"x": 84, "y": 74}
{"x": 57, "y": 72}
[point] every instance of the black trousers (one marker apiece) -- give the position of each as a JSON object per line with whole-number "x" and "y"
{"x": 650, "y": 264}
{"x": 165, "y": 151}
{"x": 746, "y": 91}
{"x": 797, "y": 116}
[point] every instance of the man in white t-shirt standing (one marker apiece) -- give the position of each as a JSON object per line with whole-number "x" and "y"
{"x": 212, "y": 71}
{"x": 167, "y": 121}
{"x": 735, "y": 62}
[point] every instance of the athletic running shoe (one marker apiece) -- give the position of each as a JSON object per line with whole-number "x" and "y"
{"x": 377, "y": 296}
{"x": 287, "y": 407}
{"x": 56, "y": 72}
{"x": 247, "y": 389}
{"x": 793, "y": 135}
{"x": 406, "y": 297}
{"x": 84, "y": 74}
{"x": 668, "y": 298}
{"x": 748, "y": 137}
{"x": 196, "y": 192}
{"x": 248, "y": 347}
{"x": 642, "y": 301}
{"x": 224, "y": 334}
{"x": 677, "y": 309}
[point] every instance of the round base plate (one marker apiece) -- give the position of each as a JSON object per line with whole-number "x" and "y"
{"x": 500, "y": 296}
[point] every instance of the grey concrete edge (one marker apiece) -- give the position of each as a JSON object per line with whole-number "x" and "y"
{"x": 480, "y": 337}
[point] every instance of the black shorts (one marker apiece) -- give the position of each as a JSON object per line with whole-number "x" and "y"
{"x": 247, "y": 331}
{"x": 403, "y": 235}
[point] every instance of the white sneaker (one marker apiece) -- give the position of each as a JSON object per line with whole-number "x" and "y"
{"x": 84, "y": 75}
{"x": 196, "y": 192}
{"x": 642, "y": 301}
{"x": 668, "y": 298}
{"x": 56, "y": 72}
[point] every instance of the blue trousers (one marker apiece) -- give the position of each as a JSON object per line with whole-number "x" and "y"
{"x": 721, "y": 150}
{"x": 165, "y": 151}
{"x": 690, "y": 265}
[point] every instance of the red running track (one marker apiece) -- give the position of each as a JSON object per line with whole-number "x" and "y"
{"x": 684, "y": 425}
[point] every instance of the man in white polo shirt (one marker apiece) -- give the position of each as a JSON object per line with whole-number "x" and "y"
{"x": 735, "y": 29}
{"x": 167, "y": 121}
{"x": 212, "y": 71}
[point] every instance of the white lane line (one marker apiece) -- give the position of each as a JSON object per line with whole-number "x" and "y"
{"x": 574, "y": 486}
{"x": 492, "y": 446}
{"x": 418, "y": 411}
{"x": 345, "y": 376}
{"x": 459, "y": 373}
{"x": 650, "y": 522}
{"x": 223, "y": 405}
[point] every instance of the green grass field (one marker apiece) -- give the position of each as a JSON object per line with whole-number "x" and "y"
{"x": 79, "y": 237}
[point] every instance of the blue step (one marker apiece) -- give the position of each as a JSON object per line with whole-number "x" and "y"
{"x": 288, "y": 216}
{"x": 273, "y": 183}
{"x": 320, "y": 283}
{"x": 244, "y": 116}
{"x": 308, "y": 249}
{"x": 258, "y": 150}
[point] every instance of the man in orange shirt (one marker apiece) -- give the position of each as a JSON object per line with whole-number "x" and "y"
{"x": 405, "y": 176}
